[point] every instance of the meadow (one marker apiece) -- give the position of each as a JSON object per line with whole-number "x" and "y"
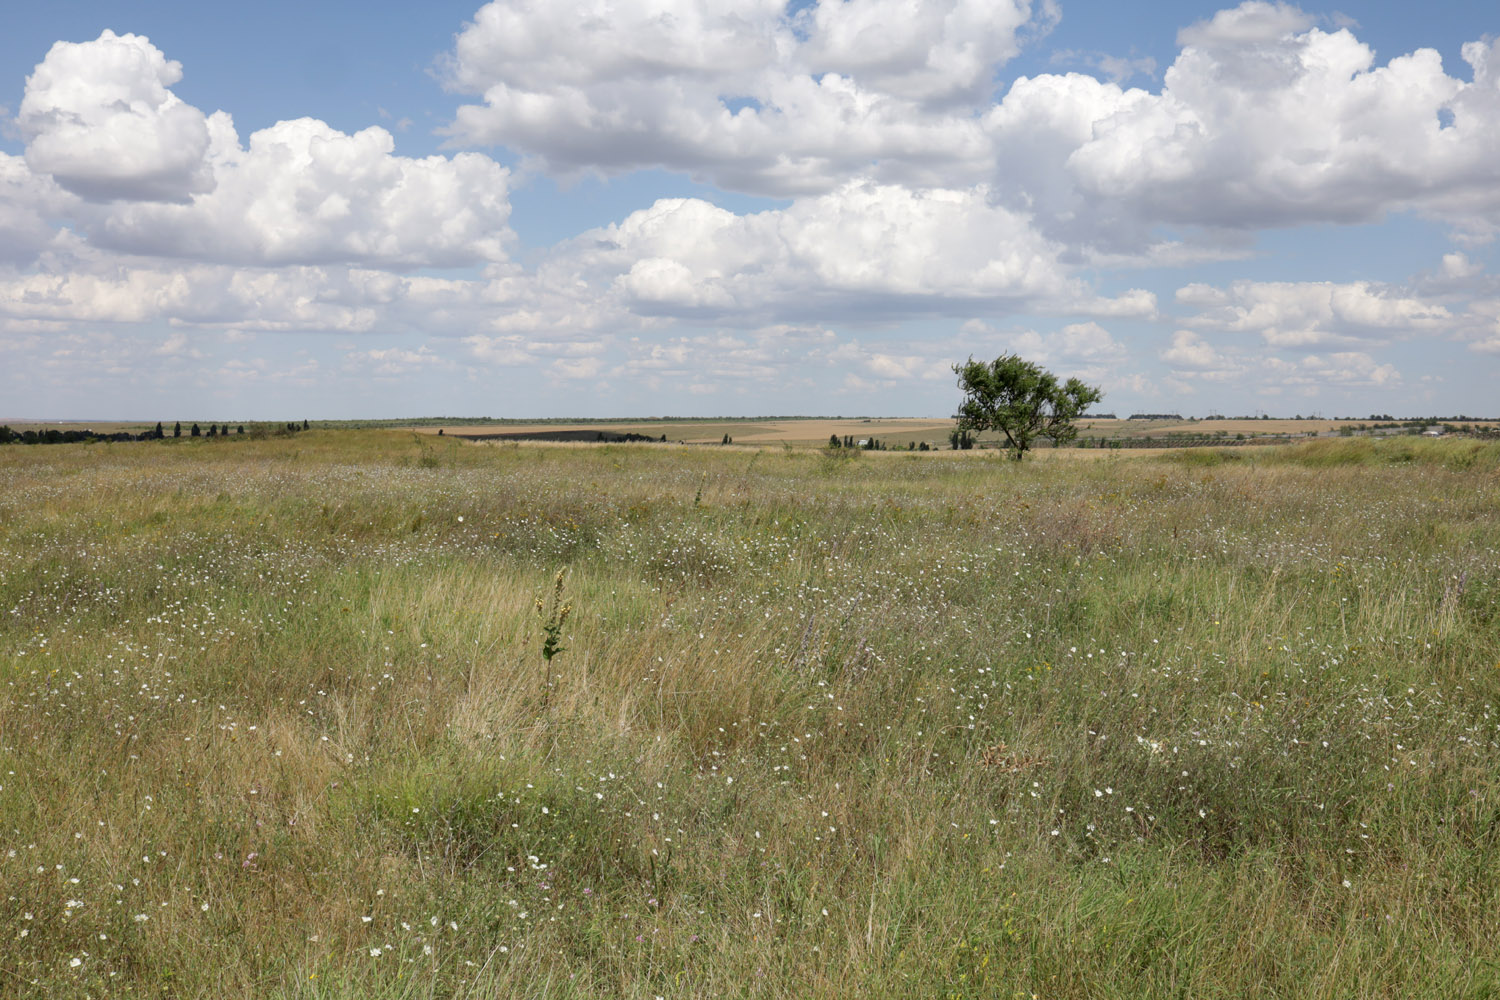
{"x": 375, "y": 714}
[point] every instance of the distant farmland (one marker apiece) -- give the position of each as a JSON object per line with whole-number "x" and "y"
{"x": 898, "y": 433}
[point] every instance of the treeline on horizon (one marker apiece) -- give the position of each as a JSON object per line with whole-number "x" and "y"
{"x": 53, "y": 435}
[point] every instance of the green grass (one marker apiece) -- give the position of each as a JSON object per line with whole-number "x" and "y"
{"x": 907, "y": 725}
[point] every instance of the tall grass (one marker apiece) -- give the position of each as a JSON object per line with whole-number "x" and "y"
{"x": 276, "y": 720}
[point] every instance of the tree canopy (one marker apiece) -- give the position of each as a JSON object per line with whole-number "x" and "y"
{"x": 1021, "y": 400}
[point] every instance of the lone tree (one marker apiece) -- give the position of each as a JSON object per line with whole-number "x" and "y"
{"x": 1022, "y": 400}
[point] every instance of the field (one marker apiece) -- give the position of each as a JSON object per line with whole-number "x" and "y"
{"x": 376, "y": 714}
{"x": 802, "y": 433}
{"x": 900, "y": 432}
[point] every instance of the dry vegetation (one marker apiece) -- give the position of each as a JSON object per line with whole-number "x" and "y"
{"x": 275, "y": 721}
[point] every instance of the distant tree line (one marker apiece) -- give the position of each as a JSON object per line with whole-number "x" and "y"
{"x": 52, "y": 435}
{"x": 848, "y": 441}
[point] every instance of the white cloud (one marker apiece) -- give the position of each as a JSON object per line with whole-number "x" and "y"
{"x": 916, "y": 193}
{"x": 1263, "y": 119}
{"x": 302, "y": 192}
{"x": 177, "y": 346}
{"x": 1458, "y": 265}
{"x": 25, "y": 202}
{"x": 864, "y": 247}
{"x": 1266, "y": 121}
{"x": 1083, "y": 350}
{"x": 1251, "y": 23}
{"x": 1194, "y": 359}
{"x": 196, "y": 295}
{"x": 938, "y": 52}
{"x": 576, "y": 369}
{"x": 1349, "y": 368}
{"x": 99, "y": 117}
{"x": 1189, "y": 350}
{"x": 1483, "y": 333}
{"x": 739, "y": 93}
{"x": 1310, "y": 313}
{"x": 392, "y": 362}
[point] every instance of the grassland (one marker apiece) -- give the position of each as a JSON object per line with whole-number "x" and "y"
{"x": 275, "y": 721}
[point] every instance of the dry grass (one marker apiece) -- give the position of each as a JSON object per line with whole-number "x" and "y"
{"x": 274, "y": 721}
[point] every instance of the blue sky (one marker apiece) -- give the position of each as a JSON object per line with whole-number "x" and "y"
{"x": 669, "y": 207}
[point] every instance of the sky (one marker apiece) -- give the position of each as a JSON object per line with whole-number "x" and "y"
{"x": 518, "y": 209}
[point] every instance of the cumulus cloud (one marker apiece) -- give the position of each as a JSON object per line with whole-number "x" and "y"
{"x": 303, "y": 192}
{"x": 937, "y": 52}
{"x": 1194, "y": 360}
{"x": 26, "y": 201}
{"x": 99, "y": 120}
{"x": 1249, "y": 24}
{"x": 863, "y": 253}
{"x": 864, "y": 249}
{"x": 1189, "y": 350}
{"x": 1085, "y": 350}
{"x": 741, "y": 93}
{"x": 1264, "y": 120}
{"x": 99, "y": 117}
{"x": 779, "y": 354}
{"x": 1312, "y": 313}
{"x": 393, "y": 362}
{"x": 1345, "y": 368}
{"x": 917, "y": 193}
{"x": 198, "y": 295}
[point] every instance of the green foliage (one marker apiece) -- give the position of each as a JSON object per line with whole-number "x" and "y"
{"x": 1021, "y": 400}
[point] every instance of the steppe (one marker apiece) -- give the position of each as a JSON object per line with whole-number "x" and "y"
{"x": 372, "y": 713}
